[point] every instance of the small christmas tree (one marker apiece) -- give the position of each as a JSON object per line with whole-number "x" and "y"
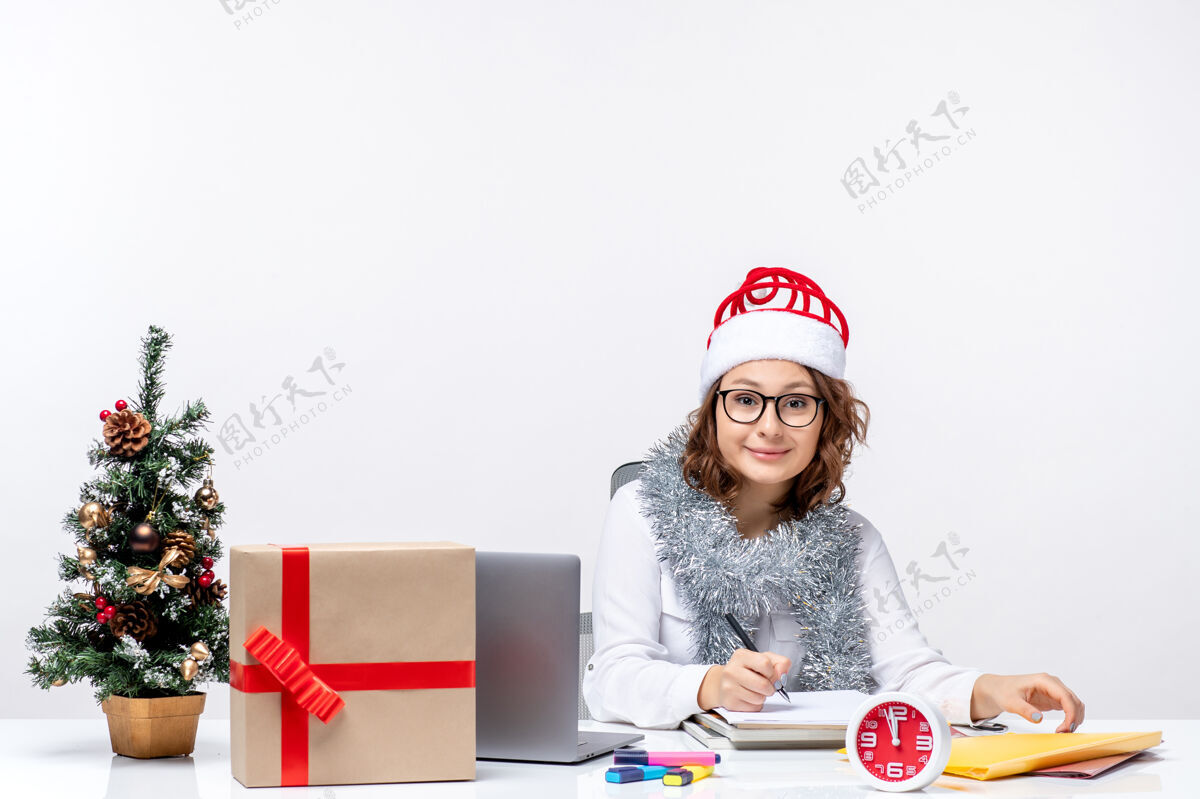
{"x": 152, "y": 623}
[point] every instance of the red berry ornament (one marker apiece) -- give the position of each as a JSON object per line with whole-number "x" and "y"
{"x": 101, "y": 618}
{"x": 104, "y": 415}
{"x": 109, "y": 612}
{"x": 120, "y": 405}
{"x": 207, "y": 562}
{"x": 101, "y": 602}
{"x": 206, "y": 578}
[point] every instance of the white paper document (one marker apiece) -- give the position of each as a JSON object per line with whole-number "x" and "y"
{"x": 806, "y": 707}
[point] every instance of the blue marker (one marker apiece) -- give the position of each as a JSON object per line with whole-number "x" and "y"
{"x": 634, "y": 773}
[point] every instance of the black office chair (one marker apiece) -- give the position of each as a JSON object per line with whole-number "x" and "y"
{"x": 625, "y": 473}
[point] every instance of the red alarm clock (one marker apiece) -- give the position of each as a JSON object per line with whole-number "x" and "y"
{"x": 898, "y": 741}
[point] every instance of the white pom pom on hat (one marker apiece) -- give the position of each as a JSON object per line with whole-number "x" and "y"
{"x": 815, "y": 338}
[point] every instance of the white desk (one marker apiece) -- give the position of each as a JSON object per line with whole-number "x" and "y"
{"x": 53, "y": 758}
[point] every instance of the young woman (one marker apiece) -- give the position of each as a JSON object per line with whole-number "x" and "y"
{"x": 740, "y": 511}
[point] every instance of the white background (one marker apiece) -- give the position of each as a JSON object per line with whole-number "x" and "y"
{"x": 512, "y": 222}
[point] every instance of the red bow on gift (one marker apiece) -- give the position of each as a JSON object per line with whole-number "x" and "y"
{"x": 286, "y": 665}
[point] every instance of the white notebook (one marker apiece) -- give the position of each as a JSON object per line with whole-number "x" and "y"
{"x": 807, "y": 707}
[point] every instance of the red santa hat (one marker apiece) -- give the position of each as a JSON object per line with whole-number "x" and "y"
{"x": 813, "y": 335}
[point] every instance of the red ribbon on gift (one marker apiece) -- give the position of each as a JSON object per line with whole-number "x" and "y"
{"x": 286, "y": 666}
{"x": 312, "y": 687}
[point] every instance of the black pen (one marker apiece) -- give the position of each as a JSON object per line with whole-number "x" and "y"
{"x": 746, "y": 642}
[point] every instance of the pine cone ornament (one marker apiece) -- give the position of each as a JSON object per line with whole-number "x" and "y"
{"x": 134, "y": 619}
{"x": 180, "y": 540}
{"x": 126, "y": 433}
{"x": 205, "y": 594}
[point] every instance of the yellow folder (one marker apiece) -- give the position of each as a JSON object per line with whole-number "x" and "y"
{"x": 985, "y": 757}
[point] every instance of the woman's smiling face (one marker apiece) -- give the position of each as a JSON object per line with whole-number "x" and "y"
{"x": 768, "y": 452}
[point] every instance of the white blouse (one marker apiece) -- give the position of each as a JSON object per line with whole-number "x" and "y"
{"x": 643, "y": 672}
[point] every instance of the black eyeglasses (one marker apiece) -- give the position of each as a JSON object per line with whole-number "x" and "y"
{"x": 747, "y": 406}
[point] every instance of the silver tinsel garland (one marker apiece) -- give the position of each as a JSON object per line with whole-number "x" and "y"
{"x": 807, "y": 565}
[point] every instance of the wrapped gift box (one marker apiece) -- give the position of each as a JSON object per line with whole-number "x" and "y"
{"x": 352, "y": 663}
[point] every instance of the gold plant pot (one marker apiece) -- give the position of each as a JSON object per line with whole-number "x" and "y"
{"x": 155, "y": 727}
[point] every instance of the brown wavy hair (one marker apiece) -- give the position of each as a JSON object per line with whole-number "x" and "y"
{"x": 845, "y": 421}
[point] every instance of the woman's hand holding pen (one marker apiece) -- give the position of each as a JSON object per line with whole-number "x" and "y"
{"x": 743, "y": 683}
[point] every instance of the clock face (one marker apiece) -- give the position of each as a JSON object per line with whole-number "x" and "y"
{"x": 894, "y": 742}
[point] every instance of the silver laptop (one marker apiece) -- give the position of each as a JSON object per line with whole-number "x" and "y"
{"x": 527, "y": 661}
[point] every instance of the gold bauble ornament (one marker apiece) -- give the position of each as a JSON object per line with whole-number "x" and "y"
{"x": 188, "y": 668}
{"x": 87, "y": 558}
{"x": 93, "y": 514}
{"x": 59, "y": 683}
{"x": 206, "y": 495}
{"x": 199, "y": 651}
